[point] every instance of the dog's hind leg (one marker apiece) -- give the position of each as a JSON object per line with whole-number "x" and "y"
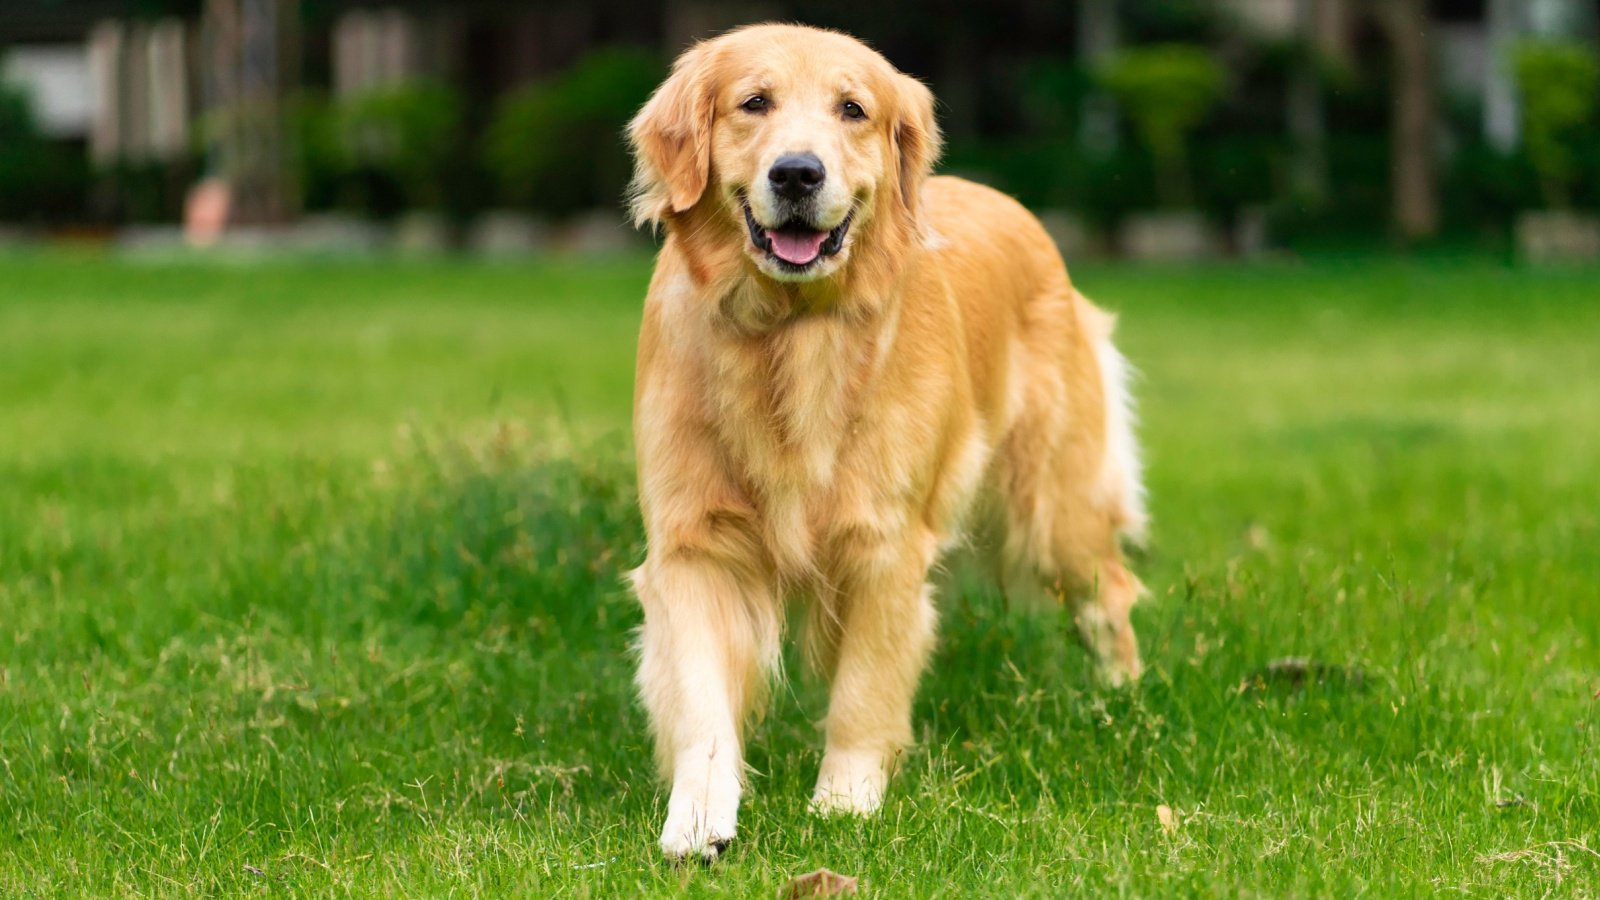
{"x": 1077, "y": 559}
{"x": 1068, "y": 474}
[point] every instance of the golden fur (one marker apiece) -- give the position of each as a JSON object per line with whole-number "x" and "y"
{"x": 821, "y": 436}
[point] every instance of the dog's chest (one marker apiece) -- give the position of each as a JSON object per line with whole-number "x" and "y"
{"x": 789, "y": 409}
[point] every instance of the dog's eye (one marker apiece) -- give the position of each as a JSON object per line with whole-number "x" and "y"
{"x": 756, "y": 104}
{"x": 853, "y": 110}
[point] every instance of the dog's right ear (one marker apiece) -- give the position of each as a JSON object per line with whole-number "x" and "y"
{"x": 671, "y": 139}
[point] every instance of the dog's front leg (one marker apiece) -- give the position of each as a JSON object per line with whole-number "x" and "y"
{"x": 708, "y": 633}
{"x": 883, "y": 630}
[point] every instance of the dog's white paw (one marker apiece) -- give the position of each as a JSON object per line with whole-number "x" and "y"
{"x": 850, "y": 782}
{"x": 684, "y": 841}
{"x": 702, "y": 817}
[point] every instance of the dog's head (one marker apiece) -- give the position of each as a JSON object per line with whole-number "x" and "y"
{"x": 804, "y": 142}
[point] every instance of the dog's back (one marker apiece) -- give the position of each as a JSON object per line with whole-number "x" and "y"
{"x": 1053, "y": 392}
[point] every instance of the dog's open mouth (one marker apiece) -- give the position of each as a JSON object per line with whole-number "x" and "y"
{"x": 794, "y": 244}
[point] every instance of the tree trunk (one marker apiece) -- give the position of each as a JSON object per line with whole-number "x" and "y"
{"x": 1308, "y": 129}
{"x": 1097, "y": 41}
{"x": 1414, "y": 139}
{"x": 250, "y": 62}
{"x": 1500, "y": 113}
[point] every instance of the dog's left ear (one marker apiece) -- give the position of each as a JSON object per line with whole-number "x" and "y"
{"x": 916, "y": 139}
{"x": 671, "y": 139}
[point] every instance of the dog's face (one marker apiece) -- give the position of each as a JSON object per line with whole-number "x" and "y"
{"x": 798, "y": 153}
{"x": 799, "y": 140}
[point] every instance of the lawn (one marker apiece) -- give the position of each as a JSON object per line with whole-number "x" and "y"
{"x": 309, "y": 583}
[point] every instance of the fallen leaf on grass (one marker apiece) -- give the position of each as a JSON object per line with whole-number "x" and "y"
{"x": 1167, "y": 818}
{"x": 1295, "y": 672}
{"x": 818, "y": 883}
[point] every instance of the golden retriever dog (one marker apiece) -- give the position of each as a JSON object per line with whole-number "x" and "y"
{"x": 839, "y": 356}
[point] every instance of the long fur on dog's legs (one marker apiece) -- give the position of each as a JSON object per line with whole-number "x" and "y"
{"x": 709, "y": 633}
{"x": 887, "y": 617}
{"x": 1070, "y": 479}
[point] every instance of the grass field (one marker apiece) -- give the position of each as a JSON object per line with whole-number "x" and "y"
{"x": 309, "y": 584}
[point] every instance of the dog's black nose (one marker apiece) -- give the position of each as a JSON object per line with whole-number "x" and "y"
{"x": 796, "y": 175}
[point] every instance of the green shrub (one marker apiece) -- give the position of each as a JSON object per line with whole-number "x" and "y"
{"x": 1559, "y": 83}
{"x": 1358, "y": 167}
{"x": 1237, "y": 170}
{"x": 1484, "y": 187}
{"x": 408, "y": 134}
{"x": 1050, "y": 91}
{"x": 557, "y": 145}
{"x": 320, "y": 159}
{"x": 1056, "y": 173}
{"x": 17, "y": 124}
{"x": 1166, "y": 90}
{"x": 19, "y": 143}
{"x": 39, "y": 181}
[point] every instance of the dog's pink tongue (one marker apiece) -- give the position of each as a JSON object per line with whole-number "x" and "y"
{"x": 797, "y": 247}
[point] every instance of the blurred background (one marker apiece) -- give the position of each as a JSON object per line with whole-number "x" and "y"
{"x": 1151, "y": 129}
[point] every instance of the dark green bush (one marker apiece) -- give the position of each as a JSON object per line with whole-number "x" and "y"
{"x": 1050, "y": 91}
{"x": 1237, "y": 171}
{"x": 146, "y": 191}
{"x": 1486, "y": 188}
{"x": 1057, "y": 173}
{"x": 1559, "y": 83}
{"x": 1357, "y": 207}
{"x": 1166, "y": 90}
{"x": 320, "y": 160}
{"x": 40, "y": 182}
{"x": 556, "y": 146}
{"x": 407, "y": 136}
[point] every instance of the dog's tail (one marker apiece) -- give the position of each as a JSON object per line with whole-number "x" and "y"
{"x": 1122, "y": 471}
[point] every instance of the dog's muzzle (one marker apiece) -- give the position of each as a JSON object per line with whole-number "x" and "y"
{"x": 796, "y": 244}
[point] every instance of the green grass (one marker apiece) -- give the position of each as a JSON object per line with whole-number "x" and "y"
{"x": 309, "y": 584}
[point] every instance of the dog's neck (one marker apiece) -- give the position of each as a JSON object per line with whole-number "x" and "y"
{"x": 755, "y": 305}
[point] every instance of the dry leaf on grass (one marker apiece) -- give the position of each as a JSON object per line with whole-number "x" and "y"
{"x": 1167, "y": 818}
{"x": 1295, "y": 672}
{"x": 818, "y": 883}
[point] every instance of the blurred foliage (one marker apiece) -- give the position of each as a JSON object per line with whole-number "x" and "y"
{"x": 1358, "y": 169}
{"x": 145, "y": 191}
{"x": 1165, "y": 21}
{"x": 1166, "y": 90}
{"x": 383, "y": 150}
{"x": 320, "y": 159}
{"x": 1559, "y": 83}
{"x": 39, "y": 182}
{"x": 1203, "y": 124}
{"x": 1486, "y": 185}
{"x": 1051, "y": 91}
{"x": 408, "y": 134}
{"x": 1055, "y": 172}
{"x": 557, "y": 145}
{"x": 1235, "y": 171}
{"x": 17, "y": 124}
